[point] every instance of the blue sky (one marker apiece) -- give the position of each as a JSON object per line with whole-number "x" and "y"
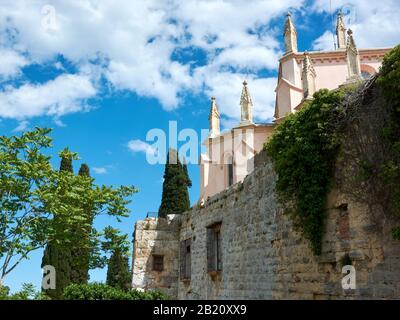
{"x": 104, "y": 73}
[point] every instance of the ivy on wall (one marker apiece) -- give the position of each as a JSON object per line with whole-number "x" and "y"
{"x": 305, "y": 146}
{"x": 303, "y": 150}
{"x": 389, "y": 84}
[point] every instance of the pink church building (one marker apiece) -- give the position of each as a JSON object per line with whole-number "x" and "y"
{"x": 229, "y": 156}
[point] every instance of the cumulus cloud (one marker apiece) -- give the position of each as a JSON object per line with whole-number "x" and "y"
{"x": 65, "y": 94}
{"x": 135, "y": 42}
{"x": 138, "y": 146}
{"x": 375, "y": 24}
{"x": 324, "y": 42}
{"x": 11, "y": 63}
{"x": 133, "y": 46}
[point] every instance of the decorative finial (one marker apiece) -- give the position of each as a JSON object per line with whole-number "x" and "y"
{"x": 213, "y": 98}
{"x": 289, "y": 14}
{"x": 245, "y": 83}
{"x": 350, "y": 32}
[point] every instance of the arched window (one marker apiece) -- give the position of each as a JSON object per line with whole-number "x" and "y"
{"x": 367, "y": 71}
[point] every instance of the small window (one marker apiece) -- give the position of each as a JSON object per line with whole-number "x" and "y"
{"x": 230, "y": 170}
{"x": 158, "y": 263}
{"x": 214, "y": 248}
{"x": 185, "y": 259}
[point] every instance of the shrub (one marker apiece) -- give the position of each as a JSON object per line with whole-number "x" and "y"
{"x": 100, "y": 291}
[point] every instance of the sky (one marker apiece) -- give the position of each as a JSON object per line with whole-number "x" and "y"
{"x": 104, "y": 73}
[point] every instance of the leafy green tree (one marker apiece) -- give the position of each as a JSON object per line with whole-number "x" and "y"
{"x": 175, "y": 195}
{"x": 118, "y": 271}
{"x": 55, "y": 254}
{"x": 23, "y": 170}
{"x": 32, "y": 194}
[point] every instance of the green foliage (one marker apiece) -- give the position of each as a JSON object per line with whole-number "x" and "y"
{"x": 389, "y": 83}
{"x": 175, "y": 195}
{"x": 303, "y": 150}
{"x": 28, "y": 292}
{"x": 99, "y": 291}
{"x": 80, "y": 255}
{"x": 118, "y": 271}
{"x": 24, "y": 170}
{"x": 396, "y": 233}
{"x": 55, "y": 254}
{"x": 39, "y": 205}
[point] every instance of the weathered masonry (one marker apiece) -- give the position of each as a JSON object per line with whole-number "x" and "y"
{"x": 240, "y": 245}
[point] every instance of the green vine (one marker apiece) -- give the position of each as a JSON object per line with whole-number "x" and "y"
{"x": 389, "y": 84}
{"x": 303, "y": 150}
{"x": 305, "y": 146}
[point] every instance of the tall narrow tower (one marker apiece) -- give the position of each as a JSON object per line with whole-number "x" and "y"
{"x": 353, "y": 59}
{"x": 246, "y": 106}
{"x": 290, "y": 35}
{"x": 214, "y": 119}
{"x": 308, "y": 76}
{"x": 340, "y": 31}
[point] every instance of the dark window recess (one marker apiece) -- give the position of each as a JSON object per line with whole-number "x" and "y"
{"x": 185, "y": 259}
{"x": 214, "y": 248}
{"x": 230, "y": 170}
{"x": 158, "y": 263}
{"x": 230, "y": 174}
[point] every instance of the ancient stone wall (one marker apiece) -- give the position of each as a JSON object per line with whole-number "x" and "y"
{"x": 156, "y": 236}
{"x": 262, "y": 256}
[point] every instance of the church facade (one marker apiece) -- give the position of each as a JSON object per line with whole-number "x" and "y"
{"x": 229, "y": 156}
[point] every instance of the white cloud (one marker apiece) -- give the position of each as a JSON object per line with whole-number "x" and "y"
{"x": 65, "y": 94}
{"x": 375, "y": 23}
{"x": 11, "y": 63}
{"x": 138, "y": 146}
{"x": 133, "y": 43}
{"x": 100, "y": 170}
{"x": 22, "y": 126}
{"x": 324, "y": 42}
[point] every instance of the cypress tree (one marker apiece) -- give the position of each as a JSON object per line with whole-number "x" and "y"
{"x": 175, "y": 195}
{"x": 118, "y": 271}
{"x": 80, "y": 252}
{"x": 57, "y": 256}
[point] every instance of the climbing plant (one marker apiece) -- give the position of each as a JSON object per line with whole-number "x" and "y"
{"x": 389, "y": 84}
{"x": 306, "y": 145}
{"x": 303, "y": 150}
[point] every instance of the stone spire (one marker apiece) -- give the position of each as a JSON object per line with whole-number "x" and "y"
{"x": 290, "y": 35}
{"x": 353, "y": 59}
{"x": 340, "y": 31}
{"x": 309, "y": 76}
{"x": 246, "y": 105}
{"x": 214, "y": 119}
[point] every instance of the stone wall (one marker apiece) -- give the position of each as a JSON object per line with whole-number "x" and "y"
{"x": 264, "y": 258}
{"x": 156, "y": 237}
